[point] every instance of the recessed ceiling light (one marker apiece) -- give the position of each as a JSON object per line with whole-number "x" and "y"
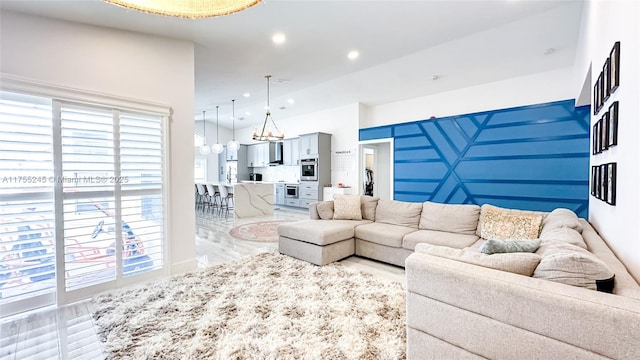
{"x": 353, "y": 54}
{"x": 278, "y": 38}
{"x": 246, "y": 94}
{"x": 247, "y": 113}
{"x": 291, "y": 101}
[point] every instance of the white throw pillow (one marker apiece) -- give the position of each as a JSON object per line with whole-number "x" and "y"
{"x": 347, "y": 207}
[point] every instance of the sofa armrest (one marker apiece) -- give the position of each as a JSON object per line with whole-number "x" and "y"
{"x": 313, "y": 211}
{"x": 600, "y": 323}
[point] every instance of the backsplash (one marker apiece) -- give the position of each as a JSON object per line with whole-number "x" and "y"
{"x": 284, "y": 173}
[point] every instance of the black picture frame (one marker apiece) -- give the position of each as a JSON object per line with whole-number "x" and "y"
{"x": 614, "y": 67}
{"x": 612, "y": 138}
{"x": 606, "y": 81}
{"x": 597, "y": 182}
{"x": 603, "y": 182}
{"x": 593, "y": 180}
{"x": 595, "y": 98}
{"x": 604, "y": 131}
{"x": 611, "y": 183}
{"x": 594, "y": 138}
{"x": 598, "y": 138}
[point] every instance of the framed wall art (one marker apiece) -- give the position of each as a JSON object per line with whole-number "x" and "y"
{"x": 611, "y": 183}
{"x": 606, "y": 80}
{"x": 604, "y": 132}
{"x": 593, "y": 180}
{"x": 612, "y": 139}
{"x": 603, "y": 182}
{"x": 597, "y": 182}
{"x": 595, "y": 98}
{"x": 614, "y": 67}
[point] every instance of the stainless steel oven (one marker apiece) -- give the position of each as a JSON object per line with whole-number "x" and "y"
{"x": 309, "y": 169}
{"x": 291, "y": 191}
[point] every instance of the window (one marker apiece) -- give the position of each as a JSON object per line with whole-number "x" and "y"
{"x": 107, "y": 219}
{"x": 200, "y": 170}
{"x": 198, "y": 140}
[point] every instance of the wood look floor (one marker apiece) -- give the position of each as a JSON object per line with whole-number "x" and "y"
{"x": 69, "y": 333}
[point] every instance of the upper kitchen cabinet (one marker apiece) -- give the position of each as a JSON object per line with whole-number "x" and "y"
{"x": 308, "y": 144}
{"x": 311, "y": 145}
{"x": 231, "y": 154}
{"x": 264, "y": 154}
{"x": 291, "y": 152}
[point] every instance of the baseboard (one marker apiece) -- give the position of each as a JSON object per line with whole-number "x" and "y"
{"x": 184, "y": 266}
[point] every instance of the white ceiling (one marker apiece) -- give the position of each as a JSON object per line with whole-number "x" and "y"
{"x": 402, "y": 44}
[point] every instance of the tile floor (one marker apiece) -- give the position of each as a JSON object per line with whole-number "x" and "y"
{"x": 68, "y": 332}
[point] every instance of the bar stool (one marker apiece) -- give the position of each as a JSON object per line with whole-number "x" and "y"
{"x": 204, "y": 197}
{"x": 224, "y": 199}
{"x": 214, "y": 194}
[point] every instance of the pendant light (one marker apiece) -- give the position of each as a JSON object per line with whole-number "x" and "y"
{"x": 267, "y": 134}
{"x": 204, "y": 149}
{"x": 233, "y": 144}
{"x": 217, "y": 148}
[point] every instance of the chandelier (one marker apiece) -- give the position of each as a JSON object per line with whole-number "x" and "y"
{"x": 204, "y": 149}
{"x": 217, "y": 148}
{"x": 267, "y": 134}
{"x": 187, "y": 8}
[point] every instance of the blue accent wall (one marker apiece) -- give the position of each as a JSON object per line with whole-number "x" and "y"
{"x": 532, "y": 157}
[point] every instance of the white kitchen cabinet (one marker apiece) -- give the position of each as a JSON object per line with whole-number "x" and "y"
{"x": 231, "y": 154}
{"x": 252, "y": 155}
{"x": 308, "y": 145}
{"x": 291, "y": 152}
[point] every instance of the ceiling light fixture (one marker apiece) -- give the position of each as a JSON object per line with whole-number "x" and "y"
{"x": 353, "y": 54}
{"x": 193, "y": 9}
{"x": 246, "y": 94}
{"x": 204, "y": 149}
{"x": 278, "y": 38}
{"x": 267, "y": 134}
{"x": 233, "y": 144}
{"x": 217, "y": 148}
{"x": 291, "y": 101}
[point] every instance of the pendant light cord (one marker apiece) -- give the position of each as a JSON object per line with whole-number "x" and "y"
{"x": 217, "y": 128}
{"x": 233, "y": 115}
{"x": 204, "y": 125}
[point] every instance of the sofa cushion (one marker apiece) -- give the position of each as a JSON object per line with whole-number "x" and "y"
{"x": 369, "y": 204}
{"x": 347, "y": 207}
{"x": 454, "y": 218}
{"x": 561, "y": 218}
{"x": 320, "y": 232}
{"x": 508, "y": 224}
{"x": 519, "y": 263}
{"x": 383, "y": 234}
{"x": 509, "y": 246}
{"x": 573, "y": 265}
{"x": 398, "y": 213}
{"x": 325, "y": 210}
{"x": 564, "y": 235}
{"x": 441, "y": 238}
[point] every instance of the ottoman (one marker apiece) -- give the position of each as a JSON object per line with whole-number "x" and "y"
{"x": 319, "y": 242}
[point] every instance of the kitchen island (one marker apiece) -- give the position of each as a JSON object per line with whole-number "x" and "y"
{"x": 253, "y": 198}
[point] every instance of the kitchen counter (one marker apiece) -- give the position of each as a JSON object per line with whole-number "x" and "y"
{"x": 253, "y": 198}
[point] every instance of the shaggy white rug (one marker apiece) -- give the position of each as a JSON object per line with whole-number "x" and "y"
{"x": 268, "y": 306}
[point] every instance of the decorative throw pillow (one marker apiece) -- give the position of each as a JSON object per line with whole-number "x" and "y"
{"x": 507, "y": 224}
{"x": 347, "y": 207}
{"x": 369, "y": 204}
{"x": 518, "y": 263}
{"x": 509, "y": 246}
{"x": 563, "y": 235}
{"x": 561, "y": 218}
{"x": 325, "y": 210}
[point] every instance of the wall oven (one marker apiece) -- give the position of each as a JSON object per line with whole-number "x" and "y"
{"x": 309, "y": 169}
{"x": 291, "y": 191}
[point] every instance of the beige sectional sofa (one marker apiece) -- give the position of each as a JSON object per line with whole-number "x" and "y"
{"x": 463, "y": 304}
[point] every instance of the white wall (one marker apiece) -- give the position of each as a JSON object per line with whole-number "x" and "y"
{"x": 121, "y": 64}
{"x": 341, "y": 122}
{"x": 526, "y": 90}
{"x": 604, "y": 23}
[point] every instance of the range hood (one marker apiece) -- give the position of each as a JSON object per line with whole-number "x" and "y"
{"x": 275, "y": 153}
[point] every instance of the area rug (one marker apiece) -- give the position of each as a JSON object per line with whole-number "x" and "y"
{"x": 267, "y": 306}
{"x": 265, "y": 231}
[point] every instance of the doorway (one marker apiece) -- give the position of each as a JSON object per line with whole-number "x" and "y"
{"x": 376, "y": 168}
